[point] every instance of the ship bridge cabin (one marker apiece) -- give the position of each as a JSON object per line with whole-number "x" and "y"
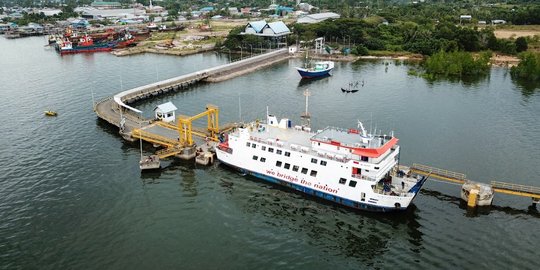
{"x": 372, "y": 156}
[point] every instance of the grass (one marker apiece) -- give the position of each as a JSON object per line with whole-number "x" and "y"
{"x": 518, "y": 27}
{"x": 161, "y": 36}
{"x": 389, "y": 53}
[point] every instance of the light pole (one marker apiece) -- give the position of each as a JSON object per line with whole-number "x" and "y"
{"x": 241, "y": 54}
{"x": 229, "y": 51}
{"x": 251, "y": 50}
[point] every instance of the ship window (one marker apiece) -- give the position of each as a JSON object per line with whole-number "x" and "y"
{"x": 323, "y": 162}
{"x": 263, "y": 159}
{"x": 248, "y": 144}
{"x": 304, "y": 170}
{"x": 255, "y": 157}
{"x": 287, "y": 166}
{"x": 364, "y": 158}
{"x": 313, "y": 173}
{"x": 278, "y": 163}
{"x": 363, "y": 196}
{"x": 270, "y": 149}
{"x": 287, "y": 154}
{"x": 263, "y": 148}
{"x": 352, "y": 183}
{"x": 295, "y": 168}
{"x": 314, "y": 160}
{"x": 342, "y": 181}
{"x": 278, "y": 152}
{"x": 253, "y": 145}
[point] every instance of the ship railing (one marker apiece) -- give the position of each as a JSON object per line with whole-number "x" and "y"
{"x": 363, "y": 177}
{"x": 380, "y": 190}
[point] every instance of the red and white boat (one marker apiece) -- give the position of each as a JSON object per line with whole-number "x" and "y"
{"x": 84, "y": 44}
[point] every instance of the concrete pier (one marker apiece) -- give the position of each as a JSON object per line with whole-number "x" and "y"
{"x": 112, "y": 109}
{"x": 117, "y": 111}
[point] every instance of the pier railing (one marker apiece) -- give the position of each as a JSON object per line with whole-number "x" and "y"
{"x": 439, "y": 173}
{"x": 514, "y": 187}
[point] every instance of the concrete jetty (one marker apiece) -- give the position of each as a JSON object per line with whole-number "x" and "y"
{"x": 132, "y": 125}
{"x": 113, "y": 109}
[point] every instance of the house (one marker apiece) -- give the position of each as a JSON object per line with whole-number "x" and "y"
{"x": 245, "y": 10}
{"x": 318, "y": 17}
{"x": 254, "y": 27}
{"x": 205, "y": 10}
{"x": 465, "y": 18}
{"x": 79, "y": 23}
{"x": 165, "y": 112}
{"x": 233, "y": 11}
{"x": 275, "y": 29}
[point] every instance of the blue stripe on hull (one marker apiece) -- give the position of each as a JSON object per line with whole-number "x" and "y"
{"x": 314, "y": 74}
{"x": 323, "y": 195}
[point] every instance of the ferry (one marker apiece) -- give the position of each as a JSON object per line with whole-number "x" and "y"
{"x": 347, "y": 166}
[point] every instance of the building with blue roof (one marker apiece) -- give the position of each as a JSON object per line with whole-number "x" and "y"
{"x": 254, "y": 27}
{"x": 261, "y": 28}
{"x": 275, "y": 29}
{"x": 206, "y": 9}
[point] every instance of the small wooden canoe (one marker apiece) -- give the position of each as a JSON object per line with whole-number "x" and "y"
{"x": 51, "y": 113}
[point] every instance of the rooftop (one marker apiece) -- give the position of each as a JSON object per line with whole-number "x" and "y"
{"x": 166, "y": 107}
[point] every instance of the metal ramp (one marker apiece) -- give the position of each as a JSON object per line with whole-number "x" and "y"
{"x": 153, "y": 138}
{"x": 442, "y": 174}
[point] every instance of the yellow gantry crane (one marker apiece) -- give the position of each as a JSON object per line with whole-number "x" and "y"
{"x": 185, "y": 132}
{"x": 185, "y": 126}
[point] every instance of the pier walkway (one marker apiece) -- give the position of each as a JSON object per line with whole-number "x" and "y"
{"x": 460, "y": 178}
{"x": 113, "y": 109}
{"x": 175, "y": 140}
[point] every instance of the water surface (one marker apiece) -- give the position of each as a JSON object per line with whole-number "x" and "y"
{"x": 71, "y": 194}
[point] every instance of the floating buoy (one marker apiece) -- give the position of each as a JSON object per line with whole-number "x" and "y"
{"x": 51, "y": 113}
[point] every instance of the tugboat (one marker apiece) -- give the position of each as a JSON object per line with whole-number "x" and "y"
{"x": 351, "y": 167}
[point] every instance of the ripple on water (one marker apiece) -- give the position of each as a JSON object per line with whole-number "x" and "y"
{"x": 71, "y": 194}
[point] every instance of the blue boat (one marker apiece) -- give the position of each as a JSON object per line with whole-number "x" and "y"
{"x": 319, "y": 69}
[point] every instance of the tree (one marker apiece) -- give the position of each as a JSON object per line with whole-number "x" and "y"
{"x": 521, "y": 44}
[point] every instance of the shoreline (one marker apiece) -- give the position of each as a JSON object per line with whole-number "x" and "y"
{"x": 497, "y": 60}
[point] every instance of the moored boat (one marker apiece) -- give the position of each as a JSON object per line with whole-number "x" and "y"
{"x": 149, "y": 163}
{"x": 347, "y": 166}
{"x": 51, "y": 113}
{"x": 85, "y": 44}
{"x": 319, "y": 69}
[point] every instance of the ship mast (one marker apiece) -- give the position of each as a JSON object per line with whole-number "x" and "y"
{"x": 306, "y": 117}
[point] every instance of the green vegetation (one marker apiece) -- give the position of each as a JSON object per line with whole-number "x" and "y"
{"x": 457, "y": 64}
{"x": 528, "y": 68}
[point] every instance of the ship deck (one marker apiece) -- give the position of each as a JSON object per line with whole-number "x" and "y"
{"x": 287, "y": 136}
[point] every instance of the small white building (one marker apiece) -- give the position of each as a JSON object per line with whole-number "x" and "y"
{"x": 165, "y": 112}
{"x": 318, "y": 17}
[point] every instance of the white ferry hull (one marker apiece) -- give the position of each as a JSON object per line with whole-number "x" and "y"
{"x": 371, "y": 204}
